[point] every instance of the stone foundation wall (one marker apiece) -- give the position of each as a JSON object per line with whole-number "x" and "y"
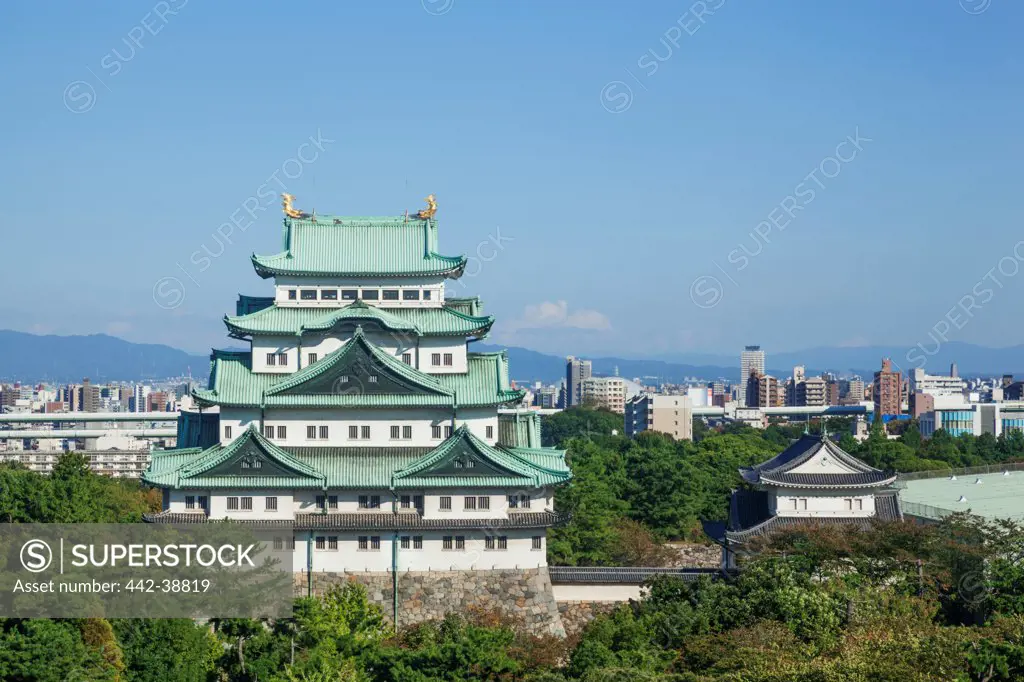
{"x": 524, "y": 594}
{"x": 577, "y": 614}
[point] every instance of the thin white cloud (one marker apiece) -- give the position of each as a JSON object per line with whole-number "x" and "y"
{"x": 556, "y": 315}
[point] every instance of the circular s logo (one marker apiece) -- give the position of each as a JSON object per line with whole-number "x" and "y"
{"x": 36, "y": 556}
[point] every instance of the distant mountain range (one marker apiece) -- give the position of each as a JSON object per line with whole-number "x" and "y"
{"x": 60, "y": 359}
{"x": 30, "y": 358}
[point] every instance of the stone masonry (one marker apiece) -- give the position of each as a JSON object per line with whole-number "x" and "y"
{"x": 576, "y": 615}
{"x": 523, "y": 594}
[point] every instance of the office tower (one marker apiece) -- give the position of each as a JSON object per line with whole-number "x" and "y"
{"x": 886, "y": 390}
{"x": 576, "y": 372}
{"x": 751, "y": 359}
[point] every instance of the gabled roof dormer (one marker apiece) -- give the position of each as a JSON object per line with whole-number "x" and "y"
{"x": 815, "y": 462}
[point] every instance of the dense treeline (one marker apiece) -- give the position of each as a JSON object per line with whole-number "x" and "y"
{"x": 72, "y": 494}
{"x": 898, "y": 602}
{"x": 629, "y": 495}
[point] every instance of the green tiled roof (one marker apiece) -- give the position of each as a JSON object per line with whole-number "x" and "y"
{"x": 519, "y": 429}
{"x": 329, "y": 246}
{"x": 470, "y": 305}
{"x": 233, "y": 384}
{"x": 232, "y": 381}
{"x": 444, "y": 321}
{"x": 358, "y": 374}
{"x": 224, "y": 466}
{"x": 359, "y": 468}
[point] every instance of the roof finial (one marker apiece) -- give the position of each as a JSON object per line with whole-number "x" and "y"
{"x": 430, "y": 210}
{"x": 289, "y": 210}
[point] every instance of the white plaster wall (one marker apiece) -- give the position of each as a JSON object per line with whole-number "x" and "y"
{"x": 348, "y": 556}
{"x": 821, "y": 503}
{"x": 434, "y": 284}
{"x": 539, "y": 502}
{"x": 456, "y": 345}
{"x": 348, "y": 500}
{"x": 478, "y": 419}
{"x": 238, "y": 419}
{"x": 823, "y": 463}
{"x": 606, "y": 593}
{"x": 219, "y": 505}
{"x": 380, "y": 423}
{"x": 261, "y": 345}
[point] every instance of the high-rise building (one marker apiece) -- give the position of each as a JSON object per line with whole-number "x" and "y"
{"x": 576, "y": 372}
{"x": 856, "y": 390}
{"x": 751, "y": 359}
{"x": 812, "y": 392}
{"x": 608, "y": 393}
{"x": 90, "y": 397}
{"x": 669, "y": 414}
{"x": 887, "y": 390}
{"x": 360, "y": 422}
{"x": 935, "y": 384}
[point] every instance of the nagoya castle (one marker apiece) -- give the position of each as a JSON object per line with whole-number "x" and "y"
{"x": 361, "y": 425}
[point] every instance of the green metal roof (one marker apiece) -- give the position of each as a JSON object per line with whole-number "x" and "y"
{"x": 519, "y": 428}
{"x": 233, "y": 383}
{"x": 329, "y": 246}
{"x": 224, "y": 466}
{"x": 441, "y": 321}
{"x": 469, "y": 305}
{"x": 358, "y": 468}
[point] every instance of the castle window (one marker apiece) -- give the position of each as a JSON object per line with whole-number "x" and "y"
{"x": 390, "y": 294}
{"x": 406, "y": 432}
{"x": 312, "y": 358}
{"x": 204, "y": 502}
{"x": 446, "y": 542}
{"x": 309, "y": 294}
{"x": 268, "y": 431}
{"x": 460, "y": 542}
{"x": 406, "y": 501}
{"x": 329, "y": 295}
{"x": 417, "y": 542}
{"x": 271, "y": 504}
{"x": 282, "y": 359}
{"x": 860, "y": 504}
{"x": 849, "y": 504}
{"x": 411, "y": 295}
{"x": 435, "y": 359}
{"x": 310, "y": 432}
{"x": 407, "y": 358}
{"x": 324, "y": 432}
{"x": 321, "y": 502}
{"x": 332, "y": 543}
{"x": 321, "y": 542}
{"x": 405, "y": 542}
{"x": 349, "y": 294}
{"x": 332, "y": 502}
{"x": 489, "y": 431}
{"x": 538, "y": 542}
{"x": 426, "y": 294}
{"x": 190, "y": 502}
{"x": 292, "y": 294}
{"x": 271, "y": 359}
{"x": 448, "y": 431}
{"x": 246, "y": 503}
{"x": 524, "y": 501}
{"x": 343, "y": 379}
{"x": 353, "y": 432}
{"x": 227, "y": 432}
{"x": 483, "y": 503}
{"x": 232, "y": 504}
{"x": 278, "y": 543}
{"x": 470, "y": 463}
{"x": 395, "y": 431}
{"x": 282, "y": 432}
{"x": 435, "y": 432}
{"x": 448, "y": 359}
{"x": 502, "y": 542}
{"x": 364, "y": 431}
{"x": 513, "y": 502}
{"x": 375, "y": 543}
{"x": 370, "y": 294}
{"x": 489, "y": 542}
{"x": 372, "y": 378}
{"x": 446, "y": 503}
{"x": 469, "y": 504}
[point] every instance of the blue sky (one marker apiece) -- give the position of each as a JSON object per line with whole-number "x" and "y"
{"x": 623, "y": 156}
